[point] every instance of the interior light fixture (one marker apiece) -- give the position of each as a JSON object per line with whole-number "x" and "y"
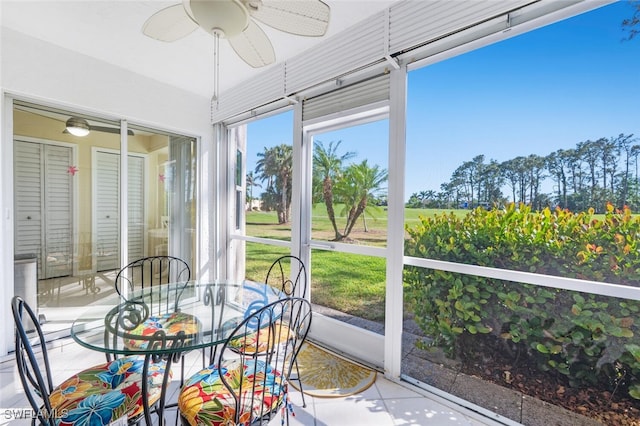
{"x": 77, "y": 126}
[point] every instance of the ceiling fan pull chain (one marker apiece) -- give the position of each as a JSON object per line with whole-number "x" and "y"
{"x": 216, "y": 67}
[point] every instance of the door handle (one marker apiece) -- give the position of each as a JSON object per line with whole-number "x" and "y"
{"x": 317, "y": 244}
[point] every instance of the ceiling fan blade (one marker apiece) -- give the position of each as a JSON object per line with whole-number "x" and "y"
{"x": 301, "y": 17}
{"x": 114, "y": 130}
{"x": 253, "y": 46}
{"x": 169, "y": 24}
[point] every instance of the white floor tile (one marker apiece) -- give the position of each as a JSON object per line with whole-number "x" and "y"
{"x": 385, "y": 403}
{"x": 389, "y": 389}
{"x": 360, "y": 412}
{"x": 420, "y": 411}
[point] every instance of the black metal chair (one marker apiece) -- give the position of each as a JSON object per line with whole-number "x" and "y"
{"x": 151, "y": 271}
{"x": 103, "y": 393}
{"x": 287, "y": 273}
{"x": 240, "y": 388}
{"x": 146, "y": 273}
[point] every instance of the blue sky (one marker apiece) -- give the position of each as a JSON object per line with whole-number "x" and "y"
{"x": 532, "y": 94}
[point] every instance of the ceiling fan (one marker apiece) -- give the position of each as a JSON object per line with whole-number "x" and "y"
{"x": 73, "y": 125}
{"x": 235, "y": 21}
{"x": 80, "y": 127}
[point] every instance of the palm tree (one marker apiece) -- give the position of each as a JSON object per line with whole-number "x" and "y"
{"x": 359, "y": 183}
{"x": 327, "y": 167}
{"x": 275, "y": 166}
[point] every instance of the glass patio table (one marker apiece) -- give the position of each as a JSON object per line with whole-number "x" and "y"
{"x": 164, "y": 322}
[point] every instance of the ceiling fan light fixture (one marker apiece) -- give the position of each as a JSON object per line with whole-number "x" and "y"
{"x": 227, "y": 18}
{"x": 237, "y": 21}
{"x": 77, "y": 126}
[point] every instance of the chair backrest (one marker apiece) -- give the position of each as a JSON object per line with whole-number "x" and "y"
{"x": 144, "y": 274}
{"x": 277, "y": 332}
{"x": 34, "y": 370}
{"x": 289, "y": 274}
{"x": 150, "y": 271}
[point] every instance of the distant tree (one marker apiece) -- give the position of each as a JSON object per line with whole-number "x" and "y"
{"x": 492, "y": 181}
{"x": 589, "y": 151}
{"x": 635, "y": 152}
{"x": 535, "y": 165}
{"x": 576, "y": 180}
{"x": 467, "y": 177}
{"x": 509, "y": 170}
{"x": 476, "y": 175}
{"x": 448, "y": 195}
{"x": 251, "y": 182}
{"x": 414, "y": 201}
{"x": 624, "y": 145}
{"x": 592, "y": 174}
{"x": 609, "y": 152}
{"x": 557, "y": 164}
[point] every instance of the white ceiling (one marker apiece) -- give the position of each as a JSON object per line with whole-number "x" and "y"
{"x": 112, "y": 31}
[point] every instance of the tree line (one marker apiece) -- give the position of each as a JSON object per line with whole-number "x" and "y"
{"x": 592, "y": 174}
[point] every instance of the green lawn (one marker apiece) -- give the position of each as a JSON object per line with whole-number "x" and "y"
{"x": 350, "y": 283}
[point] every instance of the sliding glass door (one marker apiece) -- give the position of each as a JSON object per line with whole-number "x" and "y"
{"x": 323, "y": 199}
{"x": 82, "y": 211}
{"x": 346, "y": 217}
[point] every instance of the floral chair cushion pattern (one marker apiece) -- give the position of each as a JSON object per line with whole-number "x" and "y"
{"x": 169, "y": 323}
{"x": 205, "y": 400}
{"x": 258, "y": 342}
{"x": 106, "y": 392}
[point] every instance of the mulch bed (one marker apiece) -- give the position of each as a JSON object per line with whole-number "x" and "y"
{"x": 610, "y": 408}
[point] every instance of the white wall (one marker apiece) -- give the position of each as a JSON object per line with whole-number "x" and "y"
{"x": 35, "y": 70}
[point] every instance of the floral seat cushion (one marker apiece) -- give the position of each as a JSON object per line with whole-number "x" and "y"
{"x": 106, "y": 392}
{"x": 205, "y": 400}
{"x": 170, "y": 323}
{"x": 261, "y": 341}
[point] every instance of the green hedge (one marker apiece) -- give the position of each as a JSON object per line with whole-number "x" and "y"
{"x": 593, "y": 340}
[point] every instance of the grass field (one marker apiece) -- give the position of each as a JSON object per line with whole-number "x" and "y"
{"x": 350, "y": 283}
{"x": 265, "y": 225}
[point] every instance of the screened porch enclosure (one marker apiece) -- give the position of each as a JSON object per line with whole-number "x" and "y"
{"x": 481, "y": 329}
{"x": 474, "y": 233}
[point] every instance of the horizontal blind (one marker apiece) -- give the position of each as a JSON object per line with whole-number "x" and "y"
{"x": 346, "y": 98}
{"x": 404, "y": 26}
{"x": 266, "y": 88}
{"x": 353, "y": 48}
{"x": 414, "y": 23}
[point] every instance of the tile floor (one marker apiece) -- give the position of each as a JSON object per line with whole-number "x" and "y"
{"x": 385, "y": 403}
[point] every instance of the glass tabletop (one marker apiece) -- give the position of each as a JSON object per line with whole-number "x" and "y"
{"x": 170, "y": 318}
